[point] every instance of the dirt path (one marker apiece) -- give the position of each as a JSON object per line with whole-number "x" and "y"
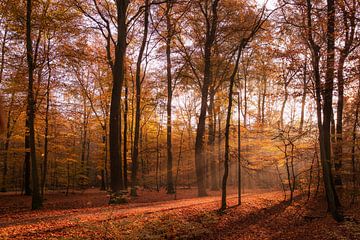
{"x": 57, "y": 220}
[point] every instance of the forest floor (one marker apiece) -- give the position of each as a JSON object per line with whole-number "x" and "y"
{"x": 153, "y": 215}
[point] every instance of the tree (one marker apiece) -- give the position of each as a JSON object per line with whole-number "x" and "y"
{"x": 138, "y": 81}
{"x": 118, "y": 69}
{"x": 36, "y": 197}
{"x": 169, "y": 36}
{"x": 326, "y": 107}
{"x": 349, "y": 23}
{"x": 211, "y": 25}
{"x": 248, "y": 35}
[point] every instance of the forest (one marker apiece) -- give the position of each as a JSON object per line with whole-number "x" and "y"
{"x": 179, "y": 119}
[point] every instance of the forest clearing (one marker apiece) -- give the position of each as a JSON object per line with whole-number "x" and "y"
{"x": 179, "y": 119}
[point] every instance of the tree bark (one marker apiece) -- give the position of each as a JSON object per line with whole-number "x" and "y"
{"x": 349, "y": 24}
{"x": 324, "y": 126}
{"x": 354, "y": 138}
{"x": 138, "y": 102}
{"x": 36, "y": 197}
{"x": 211, "y": 141}
{"x": 169, "y": 33}
{"x": 200, "y": 131}
{"x": 118, "y": 68}
{"x": 3, "y": 50}
{"x": 303, "y": 97}
{"x": 263, "y": 100}
{"x": 126, "y": 111}
{"x": 9, "y": 132}
{"x": 227, "y": 129}
{"x": 286, "y": 95}
{"x": 46, "y": 134}
{"x": 84, "y": 138}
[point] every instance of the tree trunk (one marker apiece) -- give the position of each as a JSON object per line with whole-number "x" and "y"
{"x": 219, "y": 150}
{"x": 354, "y": 139}
{"x": 263, "y": 101}
{"x": 200, "y": 131}
{"x": 27, "y": 167}
{"x": 46, "y": 134}
{"x": 328, "y": 91}
{"x": 303, "y": 97}
{"x": 169, "y": 34}
{"x": 138, "y": 102}
{"x": 104, "y": 171}
{"x": 211, "y": 141}
{"x": 227, "y": 129}
{"x": 117, "y": 182}
{"x": 286, "y": 95}
{"x": 179, "y": 161}
{"x": 324, "y": 126}
{"x": 339, "y": 127}
{"x": 258, "y": 118}
{"x": 126, "y": 111}
{"x": 348, "y": 12}
{"x": 7, "y": 144}
{"x": 3, "y": 49}
{"x": 36, "y": 197}
{"x": 245, "y": 98}
{"x": 84, "y": 138}
{"x": 157, "y": 157}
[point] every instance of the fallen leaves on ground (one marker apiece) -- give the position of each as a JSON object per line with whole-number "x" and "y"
{"x": 261, "y": 216}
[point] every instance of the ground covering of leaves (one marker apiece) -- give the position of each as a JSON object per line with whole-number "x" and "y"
{"x": 153, "y": 215}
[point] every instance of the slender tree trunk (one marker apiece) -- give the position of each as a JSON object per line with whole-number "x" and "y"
{"x": 281, "y": 181}
{"x": 303, "y": 97}
{"x": 88, "y": 144}
{"x": 68, "y": 177}
{"x": 157, "y": 157}
{"x": 36, "y": 197}
{"x": 141, "y": 152}
{"x": 227, "y": 129}
{"x": 104, "y": 171}
{"x": 318, "y": 171}
{"x": 7, "y": 144}
{"x": 27, "y": 163}
{"x": 179, "y": 160}
{"x": 286, "y": 95}
{"x": 263, "y": 101}
{"x": 354, "y": 139}
{"x": 126, "y": 111}
{"x": 211, "y": 140}
{"x": 348, "y": 12}
{"x": 245, "y": 99}
{"x": 288, "y": 171}
{"x": 46, "y": 134}
{"x": 138, "y": 102}
{"x": 84, "y": 138}
{"x": 219, "y": 150}
{"x": 190, "y": 146}
{"x": 132, "y": 126}
{"x": 258, "y": 119}
{"x": 169, "y": 34}
{"x": 200, "y": 131}
{"x": 311, "y": 175}
{"x": 3, "y": 50}
{"x": 339, "y": 127}
{"x": 292, "y": 168}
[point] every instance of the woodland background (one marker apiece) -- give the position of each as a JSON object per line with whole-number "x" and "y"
{"x": 122, "y": 95}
